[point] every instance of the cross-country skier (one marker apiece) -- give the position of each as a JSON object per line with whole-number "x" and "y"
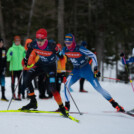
{"x": 3, "y": 65}
{"x": 130, "y": 60}
{"x": 44, "y": 53}
{"x": 81, "y": 69}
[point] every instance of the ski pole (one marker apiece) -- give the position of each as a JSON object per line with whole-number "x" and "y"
{"x": 73, "y": 99}
{"x": 128, "y": 72}
{"x": 15, "y": 90}
{"x": 12, "y": 76}
{"x": 112, "y": 78}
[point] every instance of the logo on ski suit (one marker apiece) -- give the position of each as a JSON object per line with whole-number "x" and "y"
{"x": 73, "y": 54}
{"x": 43, "y": 53}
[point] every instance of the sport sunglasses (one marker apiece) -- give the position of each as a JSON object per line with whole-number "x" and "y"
{"x": 68, "y": 42}
{"x": 40, "y": 40}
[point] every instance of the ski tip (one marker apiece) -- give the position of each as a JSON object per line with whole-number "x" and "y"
{"x": 73, "y": 119}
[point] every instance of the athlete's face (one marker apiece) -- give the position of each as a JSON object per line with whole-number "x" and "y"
{"x": 41, "y": 41}
{"x": 68, "y": 43}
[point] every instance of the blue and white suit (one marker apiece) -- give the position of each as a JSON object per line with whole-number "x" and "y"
{"x": 82, "y": 69}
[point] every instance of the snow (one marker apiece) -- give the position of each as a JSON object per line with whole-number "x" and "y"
{"x": 96, "y": 121}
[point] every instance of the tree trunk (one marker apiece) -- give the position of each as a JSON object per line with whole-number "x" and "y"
{"x": 116, "y": 61}
{"x": 30, "y": 18}
{"x": 2, "y": 25}
{"x": 100, "y": 47}
{"x": 75, "y": 18}
{"x": 61, "y": 21}
{"x": 102, "y": 71}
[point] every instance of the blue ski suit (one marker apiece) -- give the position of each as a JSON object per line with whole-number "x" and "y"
{"x": 81, "y": 69}
{"x": 130, "y": 60}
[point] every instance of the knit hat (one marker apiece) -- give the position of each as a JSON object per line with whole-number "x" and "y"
{"x": 41, "y": 33}
{"x": 70, "y": 37}
{"x": 17, "y": 38}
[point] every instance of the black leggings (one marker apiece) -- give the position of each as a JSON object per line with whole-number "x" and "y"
{"x": 23, "y": 86}
{"x": 82, "y": 83}
{"x": 39, "y": 70}
{"x": 13, "y": 76}
{"x": 59, "y": 81}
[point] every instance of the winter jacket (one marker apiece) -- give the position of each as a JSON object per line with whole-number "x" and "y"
{"x": 130, "y": 60}
{"x": 2, "y": 59}
{"x": 18, "y": 53}
{"x": 28, "y": 41}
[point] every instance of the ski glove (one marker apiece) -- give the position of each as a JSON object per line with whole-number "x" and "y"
{"x": 57, "y": 49}
{"x": 96, "y": 72}
{"x": 122, "y": 55}
{"x": 11, "y": 53}
{"x": 64, "y": 79}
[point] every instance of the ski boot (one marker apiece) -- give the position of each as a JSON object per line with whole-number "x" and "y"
{"x": 14, "y": 96}
{"x": 58, "y": 110}
{"x": 67, "y": 105}
{"x": 83, "y": 91}
{"x": 32, "y": 104}
{"x": 117, "y": 106}
{"x": 3, "y": 98}
{"x": 64, "y": 112}
{"x": 19, "y": 98}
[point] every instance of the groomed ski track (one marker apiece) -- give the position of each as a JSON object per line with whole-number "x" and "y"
{"x": 95, "y": 122}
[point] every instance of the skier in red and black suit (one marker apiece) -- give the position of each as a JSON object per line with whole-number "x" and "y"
{"x": 44, "y": 53}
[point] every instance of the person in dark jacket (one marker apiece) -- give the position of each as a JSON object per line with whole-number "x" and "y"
{"x": 2, "y": 69}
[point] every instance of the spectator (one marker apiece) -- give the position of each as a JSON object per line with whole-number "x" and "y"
{"x": 2, "y": 69}
{"x": 15, "y": 55}
{"x": 61, "y": 68}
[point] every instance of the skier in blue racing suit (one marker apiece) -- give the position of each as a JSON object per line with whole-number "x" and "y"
{"x": 81, "y": 69}
{"x": 130, "y": 60}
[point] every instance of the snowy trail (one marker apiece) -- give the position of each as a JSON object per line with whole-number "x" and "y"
{"x": 95, "y": 122}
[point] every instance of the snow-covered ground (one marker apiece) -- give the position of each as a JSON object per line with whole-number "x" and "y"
{"x": 97, "y": 121}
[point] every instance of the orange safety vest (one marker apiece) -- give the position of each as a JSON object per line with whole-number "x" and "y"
{"x": 61, "y": 64}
